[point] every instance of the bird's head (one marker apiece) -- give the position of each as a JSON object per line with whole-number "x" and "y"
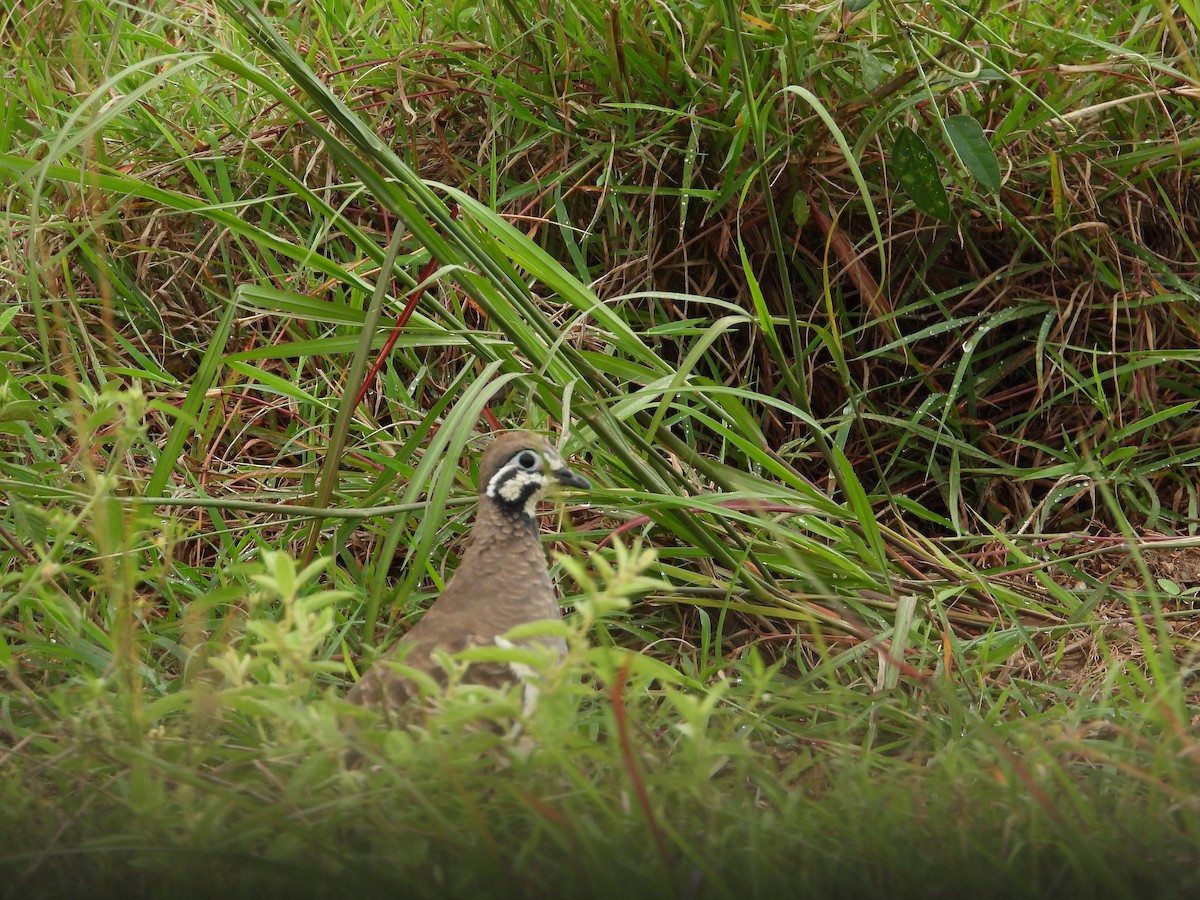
{"x": 519, "y": 468}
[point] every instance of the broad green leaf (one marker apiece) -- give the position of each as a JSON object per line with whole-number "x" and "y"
{"x": 916, "y": 169}
{"x": 871, "y": 66}
{"x": 973, "y": 150}
{"x": 800, "y": 209}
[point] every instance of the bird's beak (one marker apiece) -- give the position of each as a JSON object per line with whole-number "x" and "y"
{"x": 568, "y": 478}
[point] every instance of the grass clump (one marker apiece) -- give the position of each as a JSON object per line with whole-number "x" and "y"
{"x": 876, "y": 321}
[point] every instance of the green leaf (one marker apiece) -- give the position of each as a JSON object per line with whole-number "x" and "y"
{"x": 974, "y": 151}
{"x": 800, "y": 209}
{"x": 871, "y": 66}
{"x": 916, "y": 168}
{"x": 302, "y": 306}
{"x": 7, "y": 316}
{"x": 987, "y": 73}
{"x": 856, "y": 5}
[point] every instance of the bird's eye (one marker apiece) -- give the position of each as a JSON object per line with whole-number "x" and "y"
{"x": 526, "y": 460}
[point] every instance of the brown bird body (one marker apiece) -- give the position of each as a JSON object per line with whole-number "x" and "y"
{"x": 501, "y": 581}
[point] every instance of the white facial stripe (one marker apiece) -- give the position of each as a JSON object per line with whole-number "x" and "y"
{"x": 510, "y": 485}
{"x": 515, "y": 486}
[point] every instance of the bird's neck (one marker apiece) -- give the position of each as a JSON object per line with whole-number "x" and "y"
{"x": 499, "y": 530}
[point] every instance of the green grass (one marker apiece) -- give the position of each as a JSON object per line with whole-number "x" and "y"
{"x": 880, "y": 329}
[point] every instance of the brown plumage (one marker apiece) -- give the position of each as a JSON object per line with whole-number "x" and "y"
{"x": 501, "y": 581}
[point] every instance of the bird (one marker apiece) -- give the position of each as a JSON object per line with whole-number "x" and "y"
{"x": 500, "y": 583}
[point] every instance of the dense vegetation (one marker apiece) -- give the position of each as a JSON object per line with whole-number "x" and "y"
{"x": 875, "y": 323}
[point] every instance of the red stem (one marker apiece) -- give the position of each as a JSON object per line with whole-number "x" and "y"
{"x": 639, "y": 787}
